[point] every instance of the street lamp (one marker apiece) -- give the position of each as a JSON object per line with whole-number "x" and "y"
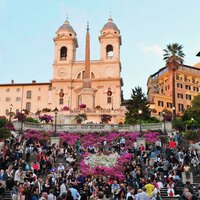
{"x": 163, "y": 114}
{"x": 10, "y": 114}
{"x": 56, "y": 113}
{"x": 192, "y": 124}
{"x": 174, "y": 113}
{"x": 68, "y": 102}
{"x": 140, "y": 114}
{"x": 112, "y": 102}
{"x": 22, "y": 120}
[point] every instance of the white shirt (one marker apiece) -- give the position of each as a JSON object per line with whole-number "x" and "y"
{"x": 122, "y": 141}
{"x": 17, "y": 176}
{"x": 51, "y": 197}
{"x": 63, "y": 189}
{"x": 61, "y": 168}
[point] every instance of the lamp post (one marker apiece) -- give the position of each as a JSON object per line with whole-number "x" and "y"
{"x": 192, "y": 124}
{"x": 174, "y": 113}
{"x": 163, "y": 114}
{"x": 22, "y": 120}
{"x": 112, "y": 102}
{"x": 140, "y": 114}
{"x": 10, "y": 114}
{"x": 55, "y": 127}
{"x": 68, "y": 102}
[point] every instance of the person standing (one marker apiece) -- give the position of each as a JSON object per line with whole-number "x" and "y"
{"x": 75, "y": 193}
{"x": 78, "y": 146}
{"x": 149, "y": 188}
{"x": 142, "y": 195}
{"x": 35, "y": 195}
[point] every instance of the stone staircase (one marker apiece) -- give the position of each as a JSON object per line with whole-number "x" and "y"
{"x": 195, "y": 181}
{"x": 7, "y": 196}
{"x": 164, "y": 196}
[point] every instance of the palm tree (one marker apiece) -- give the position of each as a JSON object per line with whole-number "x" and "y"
{"x": 173, "y": 55}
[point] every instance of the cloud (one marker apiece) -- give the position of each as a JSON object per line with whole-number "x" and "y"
{"x": 154, "y": 49}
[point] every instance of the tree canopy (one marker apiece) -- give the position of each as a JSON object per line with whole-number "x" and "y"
{"x": 174, "y": 53}
{"x": 194, "y": 110}
{"x": 137, "y": 102}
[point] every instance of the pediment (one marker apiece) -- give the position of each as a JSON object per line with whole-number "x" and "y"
{"x": 109, "y": 35}
{"x": 63, "y": 37}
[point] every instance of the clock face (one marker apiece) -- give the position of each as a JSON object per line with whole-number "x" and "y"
{"x": 61, "y": 72}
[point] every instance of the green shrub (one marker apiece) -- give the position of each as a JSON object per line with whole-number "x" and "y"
{"x": 4, "y": 133}
{"x": 152, "y": 120}
{"x": 179, "y": 124}
{"x": 164, "y": 139}
{"x": 3, "y": 121}
{"x": 32, "y": 120}
{"x": 191, "y": 135}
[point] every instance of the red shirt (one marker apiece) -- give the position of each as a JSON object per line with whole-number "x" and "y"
{"x": 35, "y": 166}
{"x": 172, "y": 144}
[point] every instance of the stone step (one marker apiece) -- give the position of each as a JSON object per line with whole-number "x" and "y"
{"x": 7, "y": 195}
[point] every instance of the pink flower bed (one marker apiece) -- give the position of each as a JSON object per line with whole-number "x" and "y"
{"x": 116, "y": 171}
{"x": 96, "y": 139}
{"x": 37, "y": 135}
{"x": 93, "y": 139}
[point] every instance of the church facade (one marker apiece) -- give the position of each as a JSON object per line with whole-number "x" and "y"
{"x": 90, "y": 86}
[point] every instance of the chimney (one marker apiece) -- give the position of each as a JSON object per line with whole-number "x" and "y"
{"x": 33, "y": 81}
{"x": 12, "y": 81}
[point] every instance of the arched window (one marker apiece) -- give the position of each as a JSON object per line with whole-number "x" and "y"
{"x": 63, "y": 53}
{"x": 92, "y": 75}
{"x": 28, "y": 106}
{"x": 28, "y": 94}
{"x": 109, "y": 99}
{"x": 79, "y": 76}
{"x": 61, "y": 101}
{"x": 109, "y": 51}
{"x": 82, "y": 74}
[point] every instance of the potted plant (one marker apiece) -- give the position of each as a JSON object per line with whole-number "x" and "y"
{"x": 80, "y": 118}
{"x": 46, "y": 118}
{"x": 65, "y": 108}
{"x": 105, "y": 118}
{"x": 82, "y": 106}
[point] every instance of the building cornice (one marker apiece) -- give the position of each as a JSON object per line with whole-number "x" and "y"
{"x": 24, "y": 84}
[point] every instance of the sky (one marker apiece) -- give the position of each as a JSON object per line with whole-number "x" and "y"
{"x": 27, "y": 29}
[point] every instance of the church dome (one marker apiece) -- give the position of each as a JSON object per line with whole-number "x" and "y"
{"x": 110, "y": 26}
{"x": 66, "y": 27}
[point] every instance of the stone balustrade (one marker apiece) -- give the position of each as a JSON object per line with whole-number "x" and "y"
{"x": 89, "y": 127}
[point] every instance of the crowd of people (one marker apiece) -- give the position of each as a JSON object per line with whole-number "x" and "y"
{"x": 35, "y": 171}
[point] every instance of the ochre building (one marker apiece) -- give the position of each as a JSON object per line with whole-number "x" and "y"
{"x": 160, "y": 89}
{"x": 97, "y": 84}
